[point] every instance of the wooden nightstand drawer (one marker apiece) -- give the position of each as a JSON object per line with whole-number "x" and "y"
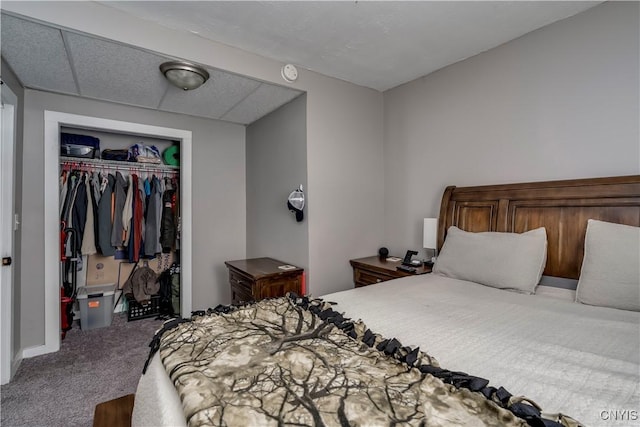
{"x": 258, "y": 278}
{"x": 241, "y": 287}
{"x": 367, "y": 277}
{"x": 240, "y": 295}
{"x": 372, "y": 270}
{"x": 242, "y": 283}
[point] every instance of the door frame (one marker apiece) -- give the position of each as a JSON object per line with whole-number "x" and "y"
{"x": 8, "y": 126}
{"x": 53, "y": 120}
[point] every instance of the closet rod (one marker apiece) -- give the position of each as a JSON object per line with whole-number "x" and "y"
{"x": 72, "y": 162}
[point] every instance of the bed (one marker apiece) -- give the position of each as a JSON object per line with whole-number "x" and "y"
{"x": 566, "y": 357}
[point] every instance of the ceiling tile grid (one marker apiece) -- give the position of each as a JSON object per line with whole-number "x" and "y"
{"x": 373, "y": 44}
{"x": 265, "y": 98}
{"x": 36, "y": 53}
{"x": 116, "y": 72}
{"x": 213, "y": 99}
{"x": 48, "y": 58}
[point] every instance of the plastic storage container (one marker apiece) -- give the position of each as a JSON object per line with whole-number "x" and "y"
{"x": 96, "y": 306}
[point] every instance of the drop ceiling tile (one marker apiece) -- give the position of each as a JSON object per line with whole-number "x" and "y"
{"x": 37, "y": 55}
{"x": 261, "y": 102}
{"x": 115, "y": 72}
{"x": 213, "y": 99}
{"x": 125, "y": 74}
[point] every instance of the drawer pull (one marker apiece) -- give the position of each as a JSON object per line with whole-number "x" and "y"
{"x": 239, "y": 282}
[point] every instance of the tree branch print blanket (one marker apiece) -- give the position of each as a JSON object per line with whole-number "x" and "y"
{"x": 295, "y": 361}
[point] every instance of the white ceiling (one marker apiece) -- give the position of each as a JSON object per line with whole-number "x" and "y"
{"x": 50, "y": 59}
{"x": 374, "y": 44}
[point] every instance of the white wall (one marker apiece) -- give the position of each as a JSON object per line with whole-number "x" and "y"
{"x": 344, "y": 132}
{"x": 11, "y": 80}
{"x": 558, "y": 103}
{"x": 218, "y": 216}
{"x": 276, "y": 151}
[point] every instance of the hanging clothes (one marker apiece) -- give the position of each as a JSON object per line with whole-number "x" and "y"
{"x": 119, "y": 194}
{"x": 147, "y": 187}
{"x": 72, "y": 182}
{"x": 89, "y": 236}
{"x": 120, "y": 210}
{"x": 176, "y": 211}
{"x": 135, "y": 238}
{"x": 168, "y": 225}
{"x": 129, "y": 243}
{"x": 154, "y": 214}
{"x": 96, "y": 179}
{"x": 63, "y": 190}
{"x": 127, "y": 210}
{"x": 95, "y": 198}
{"x": 103, "y": 183}
{"x": 143, "y": 207}
{"x": 67, "y": 205}
{"x": 105, "y": 223}
{"x": 76, "y": 211}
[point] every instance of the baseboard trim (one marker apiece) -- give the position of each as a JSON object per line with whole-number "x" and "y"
{"x": 16, "y": 364}
{"x": 37, "y": 350}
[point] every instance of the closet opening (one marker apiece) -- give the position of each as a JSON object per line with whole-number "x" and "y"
{"x": 111, "y": 265}
{"x": 119, "y": 225}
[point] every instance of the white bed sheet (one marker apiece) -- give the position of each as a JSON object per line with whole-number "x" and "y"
{"x": 571, "y": 358}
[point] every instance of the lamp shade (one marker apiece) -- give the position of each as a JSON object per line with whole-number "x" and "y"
{"x": 430, "y": 233}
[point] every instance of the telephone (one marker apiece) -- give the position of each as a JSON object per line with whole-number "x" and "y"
{"x": 407, "y": 259}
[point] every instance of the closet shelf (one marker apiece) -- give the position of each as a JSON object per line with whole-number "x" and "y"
{"x": 114, "y": 164}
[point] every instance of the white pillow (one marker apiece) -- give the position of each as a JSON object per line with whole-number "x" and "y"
{"x": 610, "y": 275}
{"x": 501, "y": 260}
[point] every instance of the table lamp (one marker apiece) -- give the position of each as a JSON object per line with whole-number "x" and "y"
{"x": 430, "y": 238}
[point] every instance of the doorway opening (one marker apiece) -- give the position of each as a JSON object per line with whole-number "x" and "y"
{"x": 53, "y": 123}
{"x": 8, "y": 362}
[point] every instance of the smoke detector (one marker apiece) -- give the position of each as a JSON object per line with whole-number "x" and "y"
{"x": 289, "y": 73}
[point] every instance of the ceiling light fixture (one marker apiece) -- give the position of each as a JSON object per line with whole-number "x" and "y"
{"x": 184, "y": 75}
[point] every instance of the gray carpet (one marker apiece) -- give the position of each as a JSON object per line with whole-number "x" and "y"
{"x": 63, "y": 388}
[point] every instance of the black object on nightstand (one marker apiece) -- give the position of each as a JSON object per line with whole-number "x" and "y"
{"x": 406, "y": 268}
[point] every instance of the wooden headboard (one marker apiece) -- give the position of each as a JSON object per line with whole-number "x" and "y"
{"x": 562, "y": 207}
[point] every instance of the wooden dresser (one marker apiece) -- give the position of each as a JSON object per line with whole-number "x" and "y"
{"x": 258, "y": 278}
{"x": 373, "y": 269}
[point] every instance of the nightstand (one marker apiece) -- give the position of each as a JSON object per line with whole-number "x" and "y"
{"x": 373, "y": 269}
{"x": 258, "y": 278}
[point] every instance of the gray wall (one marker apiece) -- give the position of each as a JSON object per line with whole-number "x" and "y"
{"x": 12, "y": 81}
{"x": 276, "y": 150}
{"x": 344, "y": 133}
{"x": 345, "y": 181}
{"x": 218, "y": 213}
{"x": 560, "y": 102}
